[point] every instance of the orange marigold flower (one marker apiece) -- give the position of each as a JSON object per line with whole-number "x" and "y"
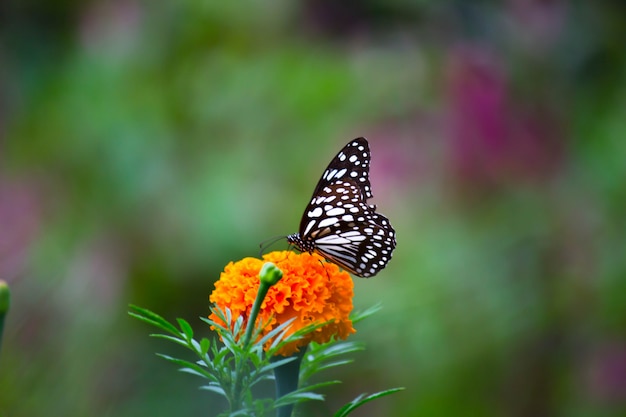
{"x": 311, "y": 290}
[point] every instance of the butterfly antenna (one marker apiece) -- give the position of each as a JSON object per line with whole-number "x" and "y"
{"x": 269, "y": 242}
{"x": 325, "y": 270}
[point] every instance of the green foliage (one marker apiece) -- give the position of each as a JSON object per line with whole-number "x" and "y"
{"x": 231, "y": 369}
{"x": 362, "y": 399}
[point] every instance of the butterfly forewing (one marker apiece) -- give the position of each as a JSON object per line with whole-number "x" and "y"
{"x": 339, "y": 224}
{"x": 351, "y": 163}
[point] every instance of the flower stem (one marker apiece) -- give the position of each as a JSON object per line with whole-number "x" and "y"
{"x": 287, "y": 378}
{"x": 5, "y": 301}
{"x": 269, "y": 275}
{"x": 256, "y": 307}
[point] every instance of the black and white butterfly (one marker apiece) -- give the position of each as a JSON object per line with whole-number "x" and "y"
{"x": 338, "y": 223}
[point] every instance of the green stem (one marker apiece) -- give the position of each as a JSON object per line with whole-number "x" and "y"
{"x": 256, "y": 307}
{"x": 5, "y": 302}
{"x": 269, "y": 276}
{"x": 287, "y": 377}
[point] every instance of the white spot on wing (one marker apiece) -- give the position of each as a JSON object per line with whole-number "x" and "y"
{"x": 308, "y": 227}
{"x": 337, "y": 211}
{"x": 332, "y": 240}
{"x": 327, "y": 222}
{"x": 316, "y": 212}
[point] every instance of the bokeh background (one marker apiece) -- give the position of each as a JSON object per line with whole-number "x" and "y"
{"x": 144, "y": 145}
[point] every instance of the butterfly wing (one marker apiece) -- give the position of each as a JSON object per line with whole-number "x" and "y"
{"x": 352, "y": 163}
{"x": 339, "y": 224}
{"x": 347, "y": 231}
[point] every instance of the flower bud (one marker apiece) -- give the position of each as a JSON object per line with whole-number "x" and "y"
{"x": 270, "y": 274}
{"x": 5, "y": 297}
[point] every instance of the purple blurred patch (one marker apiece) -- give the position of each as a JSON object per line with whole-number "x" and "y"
{"x": 606, "y": 374}
{"x": 493, "y": 139}
{"x": 20, "y": 214}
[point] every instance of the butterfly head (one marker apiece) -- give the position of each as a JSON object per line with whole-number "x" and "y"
{"x": 302, "y": 245}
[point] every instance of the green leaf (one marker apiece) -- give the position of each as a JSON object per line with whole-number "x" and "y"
{"x": 230, "y": 343}
{"x": 220, "y": 355}
{"x": 283, "y": 328}
{"x": 295, "y": 397}
{"x": 240, "y": 413}
{"x": 224, "y": 316}
{"x": 218, "y": 326}
{"x": 324, "y": 356}
{"x": 205, "y": 345}
{"x": 341, "y": 348}
{"x": 304, "y": 394}
{"x": 238, "y": 328}
{"x": 270, "y": 366}
{"x": 360, "y": 400}
{"x": 255, "y": 379}
{"x": 190, "y": 367}
{"x": 195, "y": 346}
{"x": 333, "y": 364}
{"x": 174, "y": 339}
{"x": 298, "y": 397}
{"x": 214, "y": 388}
{"x": 360, "y": 315}
{"x": 186, "y": 328}
{"x": 149, "y": 317}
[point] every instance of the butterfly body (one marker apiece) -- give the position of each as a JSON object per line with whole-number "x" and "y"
{"x": 339, "y": 224}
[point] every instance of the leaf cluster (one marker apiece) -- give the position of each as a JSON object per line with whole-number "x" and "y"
{"x": 232, "y": 368}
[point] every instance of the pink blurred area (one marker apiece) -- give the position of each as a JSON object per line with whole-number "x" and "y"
{"x": 22, "y": 214}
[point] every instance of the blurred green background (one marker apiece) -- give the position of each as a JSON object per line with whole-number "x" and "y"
{"x": 144, "y": 145}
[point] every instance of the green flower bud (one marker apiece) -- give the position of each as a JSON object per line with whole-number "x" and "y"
{"x": 270, "y": 274}
{"x": 5, "y": 297}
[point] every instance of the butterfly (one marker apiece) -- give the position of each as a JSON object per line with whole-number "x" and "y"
{"x": 339, "y": 224}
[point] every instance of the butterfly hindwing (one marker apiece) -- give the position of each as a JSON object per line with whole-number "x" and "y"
{"x": 350, "y": 233}
{"x": 339, "y": 224}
